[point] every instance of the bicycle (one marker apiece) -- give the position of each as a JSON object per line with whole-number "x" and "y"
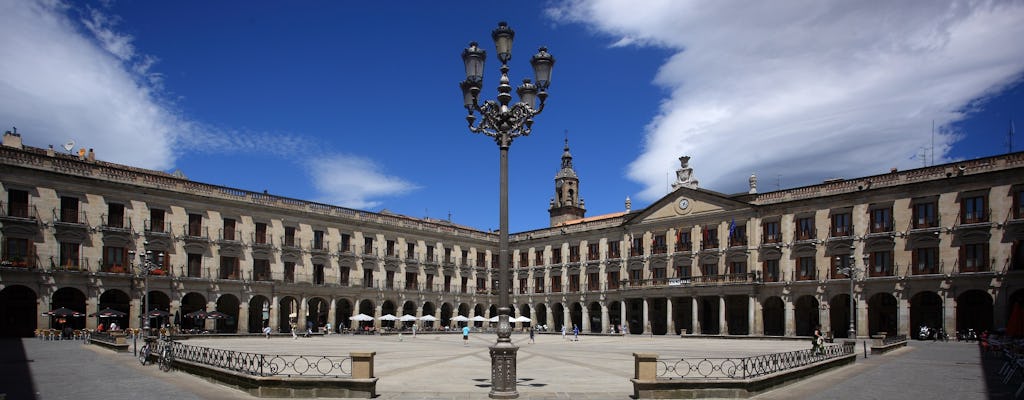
{"x": 144, "y": 351}
{"x": 166, "y": 355}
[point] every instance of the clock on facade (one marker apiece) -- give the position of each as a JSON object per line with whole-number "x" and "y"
{"x": 684, "y": 204}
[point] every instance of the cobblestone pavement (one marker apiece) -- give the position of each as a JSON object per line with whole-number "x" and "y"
{"x": 441, "y": 367}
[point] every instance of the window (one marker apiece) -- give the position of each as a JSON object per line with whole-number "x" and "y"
{"x": 69, "y": 210}
{"x": 411, "y": 281}
{"x": 318, "y": 274}
{"x": 659, "y": 274}
{"x": 842, "y": 225}
{"x": 636, "y": 248}
{"x": 367, "y": 245}
{"x": 260, "y": 237}
{"x": 389, "y": 248}
{"x": 465, "y": 284}
{"x": 556, "y": 284}
{"x": 974, "y": 257}
{"x": 737, "y": 235}
{"x": 974, "y": 210}
{"x": 481, "y": 284}
{"x": 430, "y": 282}
{"x": 538, "y": 257}
{"x": 114, "y": 259}
{"x": 636, "y": 276}
{"x": 448, "y": 255}
{"x": 772, "y": 233}
{"x": 229, "y": 268}
{"x": 289, "y": 236}
{"x": 926, "y": 260}
{"x": 683, "y": 271}
{"x": 289, "y": 272}
{"x": 574, "y": 253}
{"x": 771, "y": 270}
{"x": 18, "y": 252}
{"x": 538, "y": 284}
{"x": 574, "y": 283}
{"x": 1018, "y": 202}
{"x": 842, "y": 261}
{"x": 195, "y": 225}
{"x": 593, "y": 281}
{"x": 881, "y": 263}
{"x": 659, "y": 246}
{"x": 430, "y": 254}
{"x": 710, "y": 239}
{"x": 17, "y": 203}
{"x": 157, "y": 222}
{"x": 881, "y": 220}
{"x": 683, "y": 242}
{"x": 613, "y": 280}
{"x": 389, "y": 279}
{"x": 346, "y": 243}
{"x": 318, "y": 241}
{"x": 926, "y": 215}
{"x": 593, "y": 251}
{"x": 805, "y": 228}
{"x": 410, "y": 251}
{"x": 115, "y": 216}
{"x": 261, "y": 270}
{"x": 613, "y": 250}
{"x": 194, "y": 265}
{"x": 522, "y": 286}
{"x": 229, "y": 229}
{"x": 343, "y": 276}
{"x": 805, "y": 268}
{"x": 737, "y": 268}
{"x": 481, "y": 258}
{"x": 70, "y": 257}
{"x": 709, "y": 269}
{"x": 524, "y": 258}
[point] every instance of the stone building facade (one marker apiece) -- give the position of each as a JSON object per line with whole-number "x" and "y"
{"x": 938, "y": 246}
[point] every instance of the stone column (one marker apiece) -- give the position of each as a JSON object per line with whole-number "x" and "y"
{"x": 825, "y": 317}
{"x": 754, "y": 324}
{"x": 790, "y": 316}
{"x": 903, "y": 316}
{"x": 90, "y": 308}
{"x": 646, "y": 319}
{"x": 862, "y": 318}
{"x": 566, "y": 320}
{"x": 671, "y": 323}
{"x": 949, "y": 313}
{"x": 332, "y": 314}
{"x": 585, "y": 320}
{"x": 353, "y": 324}
{"x": 209, "y": 324}
{"x": 550, "y": 319}
{"x": 275, "y": 321}
{"x": 723, "y": 322}
{"x": 623, "y": 322}
{"x": 303, "y": 310}
{"x": 134, "y": 315}
{"x": 604, "y": 317}
{"x": 242, "y": 324}
{"x": 377, "y": 312}
{"x": 695, "y": 311}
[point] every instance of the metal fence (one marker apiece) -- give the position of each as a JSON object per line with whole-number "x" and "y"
{"x": 256, "y": 364}
{"x": 894, "y": 339}
{"x": 748, "y": 367}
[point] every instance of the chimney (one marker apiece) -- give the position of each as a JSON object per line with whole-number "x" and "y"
{"x": 13, "y": 139}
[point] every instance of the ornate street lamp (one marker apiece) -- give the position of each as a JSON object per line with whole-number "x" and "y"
{"x": 504, "y": 122}
{"x": 147, "y": 264}
{"x": 850, "y": 270}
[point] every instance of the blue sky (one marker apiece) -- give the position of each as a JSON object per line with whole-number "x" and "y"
{"x": 357, "y": 103}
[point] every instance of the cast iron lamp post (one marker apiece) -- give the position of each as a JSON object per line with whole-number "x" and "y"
{"x": 504, "y": 122}
{"x": 147, "y": 263}
{"x": 850, "y": 270}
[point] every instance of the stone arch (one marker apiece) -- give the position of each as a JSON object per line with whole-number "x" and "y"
{"x": 287, "y": 306}
{"x": 368, "y": 307}
{"x": 259, "y": 313}
{"x": 192, "y": 302}
{"x": 774, "y": 316}
{"x": 542, "y": 315}
{"x": 342, "y": 312}
{"x": 70, "y": 298}
{"x": 18, "y": 311}
{"x": 882, "y": 314}
{"x": 227, "y": 304}
{"x": 575, "y": 316}
{"x": 925, "y": 310}
{"x": 115, "y": 299}
{"x": 558, "y": 317}
{"x": 806, "y": 315}
{"x": 736, "y": 314}
{"x": 974, "y": 311}
{"x": 594, "y": 309}
{"x": 446, "y": 315}
{"x": 317, "y": 309}
{"x": 839, "y": 315}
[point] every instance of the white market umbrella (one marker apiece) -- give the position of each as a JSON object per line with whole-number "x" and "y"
{"x": 428, "y": 318}
{"x": 361, "y": 317}
{"x": 293, "y": 315}
{"x": 493, "y": 319}
{"x": 460, "y": 318}
{"x": 479, "y": 318}
{"x": 407, "y": 318}
{"x": 522, "y": 319}
{"x": 388, "y": 317}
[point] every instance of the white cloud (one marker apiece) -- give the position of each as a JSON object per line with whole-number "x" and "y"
{"x": 352, "y": 181}
{"x": 808, "y": 89}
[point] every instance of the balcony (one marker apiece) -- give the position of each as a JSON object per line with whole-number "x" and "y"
{"x": 80, "y": 264}
{"x": 740, "y": 241}
{"x": 877, "y": 271}
{"x": 262, "y": 275}
{"x": 925, "y": 223}
{"x": 196, "y": 234}
{"x": 19, "y": 261}
{"x": 972, "y": 266}
{"x": 690, "y": 281}
{"x": 636, "y": 251}
{"x": 320, "y": 247}
{"x": 771, "y": 238}
{"x": 228, "y": 236}
{"x": 926, "y": 269}
{"x": 115, "y": 224}
{"x": 709, "y": 244}
{"x": 262, "y": 240}
{"x": 841, "y": 231}
{"x": 15, "y": 211}
{"x": 157, "y": 228}
{"x": 70, "y": 218}
{"x": 114, "y": 268}
{"x": 806, "y": 235}
{"x": 684, "y": 246}
{"x": 976, "y": 217}
{"x": 881, "y": 227}
{"x": 291, "y": 243}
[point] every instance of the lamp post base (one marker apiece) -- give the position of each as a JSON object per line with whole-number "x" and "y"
{"x": 503, "y": 371}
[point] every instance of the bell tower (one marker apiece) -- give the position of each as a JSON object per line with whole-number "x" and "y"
{"x": 567, "y": 204}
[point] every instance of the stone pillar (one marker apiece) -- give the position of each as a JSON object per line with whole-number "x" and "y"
{"x": 646, "y": 318}
{"x": 695, "y": 310}
{"x": 377, "y": 312}
{"x": 949, "y": 313}
{"x": 134, "y": 314}
{"x": 903, "y": 316}
{"x": 242, "y": 323}
{"x": 671, "y": 323}
{"x": 566, "y": 320}
{"x": 645, "y": 367}
{"x": 790, "y": 316}
{"x": 825, "y": 317}
{"x": 353, "y": 324}
{"x": 754, "y": 323}
{"x": 550, "y": 319}
{"x": 604, "y": 317}
{"x": 585, "y": 320}
{"x": 303, "y": 310}
{"x": 862, "y": 318}
{"x": 209, "y": 324}
{"x": 362, "y": 365}
{"x": 332, "y": 314}
{"x": 723, "y": 322}
{"x": 90, "y": 308}
{"x": 623, "y": 322}
{"x": 274, "y": 320}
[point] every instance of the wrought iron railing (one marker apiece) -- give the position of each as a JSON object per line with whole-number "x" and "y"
{"x": 748, "y": 367}
{"x": 894, "y": 339}
{"x": 257, "y": 364}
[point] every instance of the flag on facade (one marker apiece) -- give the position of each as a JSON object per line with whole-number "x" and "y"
{"x": 732, "y": 227}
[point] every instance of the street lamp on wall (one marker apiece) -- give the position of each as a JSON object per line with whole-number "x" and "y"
{"x": 147, "y": 263}
{"x": 850, "y": 270}
{"x": 504, "y": 121}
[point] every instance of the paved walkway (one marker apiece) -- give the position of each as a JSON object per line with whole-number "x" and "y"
{"x": 441, "y": 367}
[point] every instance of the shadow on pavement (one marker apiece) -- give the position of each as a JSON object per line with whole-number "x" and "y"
{"x": 15, "y": 377}
{"x": 991, "y": 363}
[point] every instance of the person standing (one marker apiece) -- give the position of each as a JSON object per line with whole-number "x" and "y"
{"x": 818, "y": 341}
{"x": 266, "y": 331}
{"x": 532, "y": 333}
{"x": 575, "y": 333}
{"x": 563, "y": 332}
{"x": 465, "y": 335}
{"x": 328, "y": 328}
{"x": 294, "y": 326}
{"x": 309, "y": 328}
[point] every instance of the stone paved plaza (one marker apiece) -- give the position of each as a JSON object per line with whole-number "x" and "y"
{"x": 441, "y": 367}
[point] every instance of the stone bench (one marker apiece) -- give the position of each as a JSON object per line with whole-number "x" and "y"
{"x": 116, "y": 342}
{"x": 881, "y": 344}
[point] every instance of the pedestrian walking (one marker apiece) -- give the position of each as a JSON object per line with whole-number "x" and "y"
{"x": 266, "y": 331}
{"x": 563, "y": 332}
{"x": 413, "y": 330}
{"x": 575, "y": 333}
{"x": 532, "y": 334}
{"x": 309, "y": 328}
{"x": 465, "y": 335}
{"x": 328, "y": 328}
{"x": 294, "y": 326}
{"x": 818, "y": 341}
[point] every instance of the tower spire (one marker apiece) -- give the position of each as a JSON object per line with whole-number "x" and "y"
{"x": 566, "y": 205}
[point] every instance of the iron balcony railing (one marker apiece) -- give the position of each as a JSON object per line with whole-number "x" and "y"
{"x": 78, "y": 264}
{"x": 157, "y": 227}
{"x": 19, "y": 210}
{"x": 69, "y": 216}
{"x": 699, "y": 280}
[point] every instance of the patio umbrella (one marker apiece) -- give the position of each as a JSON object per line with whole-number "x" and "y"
{"x": 522, "y": 319}
{"x": 388, "y": 317}
{"x": 64, "y": 313}
{"x": 495, "y": 319}
{"x": 479, "y": 318}
{"x": 407, "y": 318}
{"x": 460, "y": 318}
{"x": 108, "y": 313}
{"x": 293, "y": 315}
{"x": 198, "y": 314}
{"x": 361, "y": 317}
{"x": 217, "y": 315}
{"x": 158, "y": 314}
{"x": 428, "y": 318}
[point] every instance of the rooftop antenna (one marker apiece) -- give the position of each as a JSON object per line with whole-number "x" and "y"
{"x": 69, "y": 145}
{"x": 449, "y": 215}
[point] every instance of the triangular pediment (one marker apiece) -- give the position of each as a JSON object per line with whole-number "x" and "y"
{"x": 687, "y": 202}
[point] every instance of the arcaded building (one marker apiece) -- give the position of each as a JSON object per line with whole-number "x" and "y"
{"x": 937, "y": 246}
